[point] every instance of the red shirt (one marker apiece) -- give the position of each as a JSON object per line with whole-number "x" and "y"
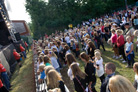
{"x": 1, "y": 84}
{"x": 16, "y": 55}
{"x": 114, "y": 38}
{"x": 120, "y": 41}
{"x": 102, "y": 28}
{"x": 2, "y": 69}
{"x": 22, "y": 48}
{"x": 26, "y": 44}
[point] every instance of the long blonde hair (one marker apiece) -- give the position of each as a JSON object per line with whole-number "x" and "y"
{"x": 136, "y": 67}
{"x": 48, "y": 68}
{"x": 97, "y": 55}
{"x": 119, "y": 83}
{"x": 52, "y": 54}
{"x": 53, "y": 78}
{"x": 76, "y": 71}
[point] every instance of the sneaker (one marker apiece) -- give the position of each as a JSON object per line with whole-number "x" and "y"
{"x": 128, "y": 66}
{"x": 120, "y": 56}
{"x": 116, "y": 57}
{"x": 124, "y": 61}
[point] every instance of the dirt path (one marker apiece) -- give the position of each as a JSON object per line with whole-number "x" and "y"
{"x": 67, "y": 80}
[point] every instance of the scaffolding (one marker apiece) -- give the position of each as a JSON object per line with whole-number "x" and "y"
{"x": 7, "y": 21}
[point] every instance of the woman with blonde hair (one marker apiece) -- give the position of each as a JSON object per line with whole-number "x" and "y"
{"x": 135, "y": 68}
{"x": 48, "y": 68}
{"x": 119, "y": 83}
{"x": 54, "y": 80}
{"x": 99, "y": 66}
{"x": 54, "y": 61}
{"x": 136, "y": 34}
{"x": 120, "y": 44}
{"x": 79, "y": 78}
{"x": 114, "y": 43}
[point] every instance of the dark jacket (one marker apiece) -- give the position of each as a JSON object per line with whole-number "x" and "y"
{"x": 105, "y": 83}
{"x": 61, "y": 86}
{"x": 91, "y": 53}
{"x": 78, "y": 86}
{"x": 90, "y": 71}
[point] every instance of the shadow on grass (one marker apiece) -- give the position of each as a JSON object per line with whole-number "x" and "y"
{"x": 23, "y": 78}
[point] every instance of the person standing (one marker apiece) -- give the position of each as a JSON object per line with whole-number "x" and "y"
{"x": 26, "y": 45}
{"x": 129, "y": 52}
{"x": 22, "y": 50}
{"x": 114, "y": 44}
{"x": 79, "y": 78}
{"x": 110, "y": 71}
{"x": 2, "y": 87}
{"x": 90, "y": 71}
{"x": 129, "y": 32}
{"x": 4, "y": 76}
{"x": 17, "y": 57}
{"x": 120, "y": 44}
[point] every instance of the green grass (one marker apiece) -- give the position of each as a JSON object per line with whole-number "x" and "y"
{"x": 107, "y": 57}
{"x": 23, "y": 78}
{"x": 121, "y": 68}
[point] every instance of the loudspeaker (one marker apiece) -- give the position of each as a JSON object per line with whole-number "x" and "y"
{"x": 18, "y": 37}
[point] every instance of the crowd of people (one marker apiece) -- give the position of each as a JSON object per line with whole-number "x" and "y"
{"x": 64, "y": 49}
{"x": 5, "y": 85}
{"x": 61, "y": 49}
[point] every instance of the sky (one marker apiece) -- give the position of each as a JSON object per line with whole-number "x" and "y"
{"x": 16, "y": 10}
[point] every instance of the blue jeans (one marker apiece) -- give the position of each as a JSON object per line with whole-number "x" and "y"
{"x": 58, "y": 70}
{"x": 59, "y": 63}
{"x": 5, "y": 79}
{"x": 68, "y": 44}
{"x": 24, "y": 54}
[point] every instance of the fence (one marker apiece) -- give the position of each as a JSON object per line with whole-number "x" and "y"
{"x": 40, "y": 87}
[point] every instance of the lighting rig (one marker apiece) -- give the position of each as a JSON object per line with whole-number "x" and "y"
{"x": 8, "y": 22}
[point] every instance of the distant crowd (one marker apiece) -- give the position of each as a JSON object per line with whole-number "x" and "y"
{"x": 61, "y": 49}
{"x": 82, "y": 43}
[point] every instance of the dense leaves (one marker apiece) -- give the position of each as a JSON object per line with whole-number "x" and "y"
{"x": 57, "y": 14}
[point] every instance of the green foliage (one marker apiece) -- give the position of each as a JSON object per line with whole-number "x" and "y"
{"x": 57, "y": 14}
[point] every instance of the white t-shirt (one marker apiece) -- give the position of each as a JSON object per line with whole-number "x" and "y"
{"x": 68, "y": 51}
{"x": 137, "y": 41}
{"x": 69, "y": 72}
{"x": 54, "y": 62}
{"x": 99, "y": 63}
{"x": 136, "y": 79}
{"x": 67, "y": 39}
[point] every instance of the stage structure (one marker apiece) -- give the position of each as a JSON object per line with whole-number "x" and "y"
{"x": 6, "y": 25}
{"x": 8, "y": 39}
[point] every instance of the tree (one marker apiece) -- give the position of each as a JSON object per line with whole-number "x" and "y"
{"x": 57, "y": 14}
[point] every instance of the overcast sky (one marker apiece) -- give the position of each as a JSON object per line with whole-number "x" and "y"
{"x": 16, "y": 10}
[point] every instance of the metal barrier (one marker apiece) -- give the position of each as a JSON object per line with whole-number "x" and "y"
{"x": 40, "y": 87}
